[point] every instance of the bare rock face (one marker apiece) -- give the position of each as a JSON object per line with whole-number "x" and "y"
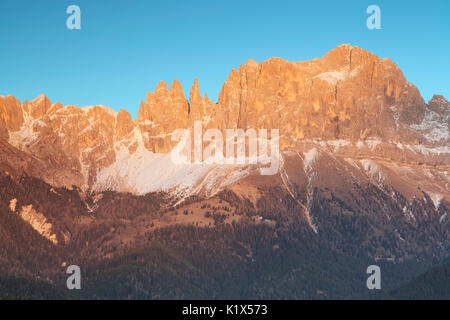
{"x": 347, "y": 94}
{"x": 201, "y": 109}
{"x": 38, "y": 106}
{"x": 163, "y": 112}
{"x": 72, "y": 142}
{"x": 11, "y": 117}
{"x": 124, "y": 124}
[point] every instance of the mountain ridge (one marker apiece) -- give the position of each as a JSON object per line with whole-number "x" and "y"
{"x": 176, "y": 88}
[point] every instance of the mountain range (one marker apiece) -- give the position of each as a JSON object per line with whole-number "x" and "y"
{"x": 363, "y": 178}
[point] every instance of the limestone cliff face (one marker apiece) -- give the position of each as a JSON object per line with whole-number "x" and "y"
{"x": 347, "y": 95}
{"x": 165, "y": 111}
{"x": 162, "y": 113}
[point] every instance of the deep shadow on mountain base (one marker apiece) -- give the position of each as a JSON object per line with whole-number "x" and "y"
{"x": 208, "y": 264}
{"x": 434, "y": 284}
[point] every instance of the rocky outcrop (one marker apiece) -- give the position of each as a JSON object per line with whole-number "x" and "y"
{"x": 163, "y": 112}
{"x": 349, "y": 96}
{"x": 11, "y": 116}
{"x": 202, "y": 109}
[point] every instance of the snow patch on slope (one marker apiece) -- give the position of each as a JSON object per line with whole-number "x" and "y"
{"x": 311, "y": 156}
{"x": 332, "y": 77}
{"x": 25, "y": 136}
{"x": 436, "y": 198}
{"x": 373, "y": 170}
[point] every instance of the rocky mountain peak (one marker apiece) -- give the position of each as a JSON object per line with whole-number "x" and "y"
{"x": 176, "y": 90}
{"x": 39, "y": 106}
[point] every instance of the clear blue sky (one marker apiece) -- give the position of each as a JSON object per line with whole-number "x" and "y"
{"x": 124, "y": 48}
